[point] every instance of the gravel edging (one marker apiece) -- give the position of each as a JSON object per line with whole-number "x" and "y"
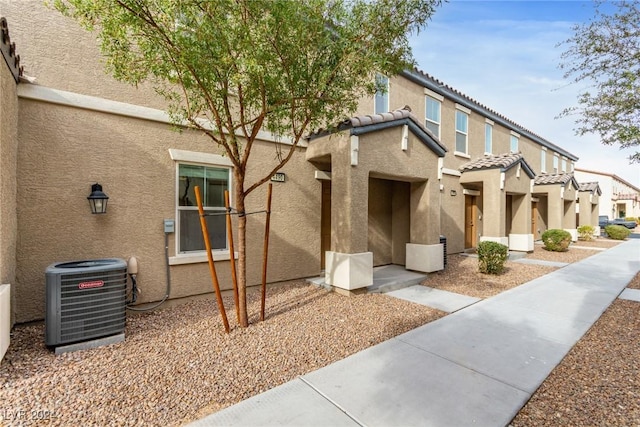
{"x": 598, "y": 382}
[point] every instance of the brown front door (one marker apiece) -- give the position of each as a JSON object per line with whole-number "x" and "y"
{"x": 325, "y": 221}
{"x": 470, "y": 209}
{"x": 534, "y": 220}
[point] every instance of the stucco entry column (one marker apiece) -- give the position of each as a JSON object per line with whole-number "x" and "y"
{"x": 494, "y": 202}
{"x": 520, "y": 238}
{"x": 425, "y": 252}
{"x": 348, "y": 266}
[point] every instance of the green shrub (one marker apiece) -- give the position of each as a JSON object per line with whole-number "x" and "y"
{"x": 556, "y": 240}
{"x": 630, "y": 218}
{"x": 617, "y": 232}
{"x": 491, "y": 257}
{"x": 585, "y": 232}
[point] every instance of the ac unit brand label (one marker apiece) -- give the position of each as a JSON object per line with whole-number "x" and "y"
{"x": 89, "y": 285}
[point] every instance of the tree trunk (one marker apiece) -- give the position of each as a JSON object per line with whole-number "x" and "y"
{"x": 242, "y": 251}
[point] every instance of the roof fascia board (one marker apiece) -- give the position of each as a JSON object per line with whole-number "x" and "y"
{"x": 413, "y": 127}
{"x": 481, "y": 110}
{"x": 525, "y": 166}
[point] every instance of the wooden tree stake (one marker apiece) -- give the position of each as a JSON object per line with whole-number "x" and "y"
{"x": 212, "y": 268}
{"x": 232, "y": 257}
{"x": 265, "y": 253}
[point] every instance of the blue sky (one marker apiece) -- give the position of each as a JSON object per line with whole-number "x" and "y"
{"x": 504, "y": 54}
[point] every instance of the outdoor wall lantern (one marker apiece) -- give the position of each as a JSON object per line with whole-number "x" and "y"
{"x": 97, "y": 199}
{"x": 453, "y": 192}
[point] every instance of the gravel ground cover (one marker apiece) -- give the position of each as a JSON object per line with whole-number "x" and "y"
{"x": 462, "y": 277}
{"x": 572, "y": 255}
{"x": 177, "y": 364}
{"x": 598, "y": 382}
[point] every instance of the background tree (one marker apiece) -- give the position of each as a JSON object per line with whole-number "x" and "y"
{"x": 238, "y": 66}
{"x": 605, "y": 52}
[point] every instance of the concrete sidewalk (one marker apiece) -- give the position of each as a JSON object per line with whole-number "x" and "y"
{"x": 478, "y": 365}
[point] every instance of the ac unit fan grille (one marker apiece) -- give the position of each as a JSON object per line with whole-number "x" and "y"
{"x": 93, "y": 312}
{"x": 85, "y": 300}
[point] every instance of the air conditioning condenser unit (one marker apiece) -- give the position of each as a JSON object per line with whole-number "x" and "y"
{"x": 85, "y": 300}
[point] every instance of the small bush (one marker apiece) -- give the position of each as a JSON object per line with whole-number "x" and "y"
{"x": 556, "y": 240}
{"x": 585, "y": 232}
{"x": 617, "y": 232}
{"x": 630, "y": 218}
{"x": 491, "y": 257}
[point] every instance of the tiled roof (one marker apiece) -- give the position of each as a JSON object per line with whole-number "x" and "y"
{"x": 560, "y": 178}
{"x": 363, "y": 124}
{"x": 444, "y": 89}
{"x": 371, "y": 119}
{"x": 502, "y": 161}
{"x": 9, "y": 51}
{"x": 589, "y": 186}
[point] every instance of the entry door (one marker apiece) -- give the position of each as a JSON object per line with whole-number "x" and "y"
{"x": 470, "y": 217}
{"x": 534, "y": 220}
{"x": 325, "y": 221}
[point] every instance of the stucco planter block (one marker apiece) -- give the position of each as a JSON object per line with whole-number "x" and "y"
{"x": 5, "y": 318}
{"x": 501, "y": 240}
{"x": 349, "y": 271}
{"x": 425, "y": 258}
{"x": 521, "y": 242}
{"x": 573, "y": 232}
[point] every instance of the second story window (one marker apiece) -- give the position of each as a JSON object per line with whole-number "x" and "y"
{"x": 513, "y": 146}
{"x": 381, "y": 100}
{"x": 564, "y": 165}
{"x": 543, "y": 160}
{"x": 433, "y": 115}
{"x": 555, "y": 163}
{"x": 488, "y": 138}
{"x": 462, "y": 128}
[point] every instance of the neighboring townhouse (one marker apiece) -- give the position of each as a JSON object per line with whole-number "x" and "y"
{"x": 386, "y": 188}
{"x": 619, "y": 198}
{"x": 587, "y": 205}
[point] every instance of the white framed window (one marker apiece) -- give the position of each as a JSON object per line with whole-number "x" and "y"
{"x": 543, "y": 160}
{"x": 381, "y": 100}
{"x": 555, "y": 163}
{"x": 564, "y": 165}
{"x": 432, "y": 121}
{"x": 488, "y": 137}
{"x": 462, "y": 129}
{"x": 213, "y": 181}
{"x": 515, "y": 140}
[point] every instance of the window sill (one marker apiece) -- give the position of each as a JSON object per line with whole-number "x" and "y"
{"x": 200, "y": 257}
{"x": 461, "y": 154}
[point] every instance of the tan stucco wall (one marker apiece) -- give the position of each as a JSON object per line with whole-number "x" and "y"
{"x": 389, "y": 216}
{"x": 379, "y": 156}
{"x": 587, "y": 209}
{"x": 8, "y": 152}
{"x": 500, "y": 219}
{"x": 64, "y": 150}
{"x": 452, "y": 215}
{"x": 61, "y": 55}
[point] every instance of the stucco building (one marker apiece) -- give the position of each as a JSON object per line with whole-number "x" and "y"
{"x": 619, "y": 198}
{"x": 386, "y": 187}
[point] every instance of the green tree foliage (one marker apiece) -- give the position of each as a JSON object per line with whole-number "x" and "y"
{"x": 232, "y": 68}
{"x": 605, "y": 53}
